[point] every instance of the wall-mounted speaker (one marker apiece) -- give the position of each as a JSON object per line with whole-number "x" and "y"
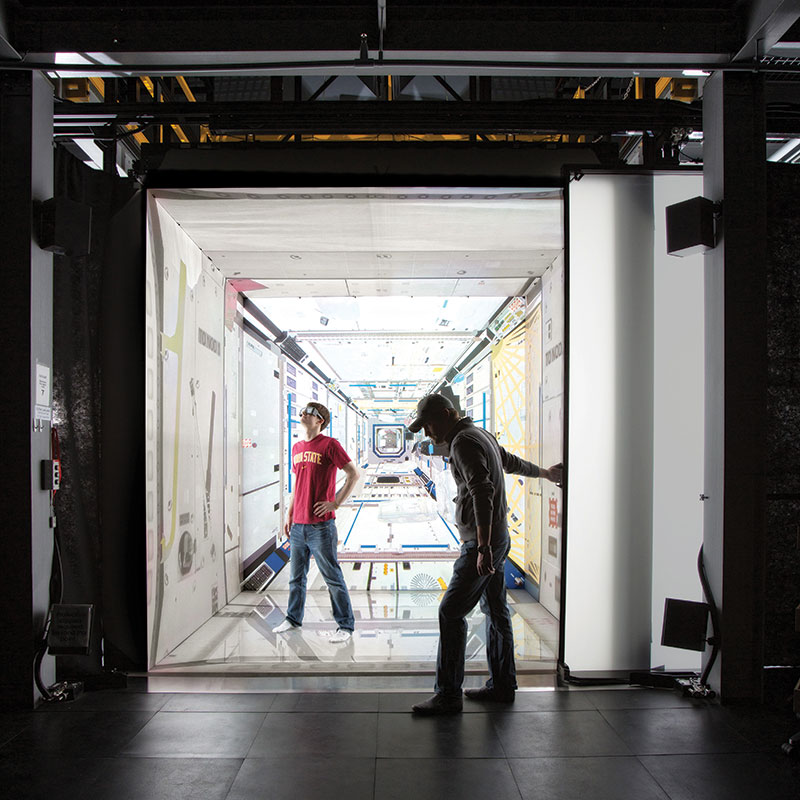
{"x": 685, "y": 624}
{"x": 65, "y": 227}
{"x": 690, "y": 227}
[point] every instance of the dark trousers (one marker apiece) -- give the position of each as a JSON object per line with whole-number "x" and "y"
{"x": 466, "y": 589}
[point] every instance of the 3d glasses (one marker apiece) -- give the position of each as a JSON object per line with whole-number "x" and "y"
{"x": 312, "y": 412}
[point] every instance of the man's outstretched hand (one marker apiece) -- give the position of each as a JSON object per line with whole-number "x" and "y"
{"x": 554, "y": 474}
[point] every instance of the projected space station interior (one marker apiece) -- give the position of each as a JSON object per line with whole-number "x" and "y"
{"x": 261, "y": 301}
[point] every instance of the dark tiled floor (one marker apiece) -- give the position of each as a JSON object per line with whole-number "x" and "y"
{"x": 615, "y": 744}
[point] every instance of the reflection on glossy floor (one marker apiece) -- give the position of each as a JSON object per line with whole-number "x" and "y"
{"x": 396, "y": 631}
{"x": 396, "y": 550}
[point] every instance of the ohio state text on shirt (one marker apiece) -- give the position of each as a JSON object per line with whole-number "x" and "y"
{"x": 314, "y": 465}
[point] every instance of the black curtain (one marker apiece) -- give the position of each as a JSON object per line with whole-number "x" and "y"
{"x": 98, "y": 398}
{"x": 782, "y": 586}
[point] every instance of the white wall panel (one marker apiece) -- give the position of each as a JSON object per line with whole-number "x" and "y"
{"x": 233, "y": 573}
{"x": 552, "y": 432}
{"x": 261, "y": 401}
{"x": 207, "y": 394}
{"x": 261, "y": 521}
{"x": 261, "y": 446}
{"x": 233, "y": 424}
{"x": 351, "y": 444}
{"x": 477, "y": 393}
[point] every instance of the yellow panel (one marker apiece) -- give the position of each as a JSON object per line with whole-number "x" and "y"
{"x": 533, "y": 499}
{"x": 99, "y": 85}
{"x": 140, "y": 137}
{"x": 661, "y": 86}
{"x": 510, "y": 411}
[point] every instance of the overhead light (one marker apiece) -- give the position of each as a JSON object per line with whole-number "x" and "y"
{"x": 696, "y": 136}
{"x": 695, "y": 73}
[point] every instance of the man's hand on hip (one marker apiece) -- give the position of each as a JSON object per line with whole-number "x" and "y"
{"x": 324, "y": 507}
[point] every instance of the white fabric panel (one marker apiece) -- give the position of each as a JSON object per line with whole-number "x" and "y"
{"x": 434, "y": 220}
{"x": 610, "y": 491}
{"x": 154, "y": 469}
{"x": 678, "y": 421}
{"x": 190, "y": 555}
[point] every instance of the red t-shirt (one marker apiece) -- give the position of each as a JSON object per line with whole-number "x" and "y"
{"x": 314, "y": 464}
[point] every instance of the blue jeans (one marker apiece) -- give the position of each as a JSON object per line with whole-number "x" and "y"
{"x": 320, "y": 540}
{"x": 465, "y": 590}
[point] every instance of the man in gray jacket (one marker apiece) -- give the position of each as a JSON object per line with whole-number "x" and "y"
{"x": 478, "y": 464}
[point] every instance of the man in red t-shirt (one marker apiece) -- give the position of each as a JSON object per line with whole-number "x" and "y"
{"x": 310, "y": 522}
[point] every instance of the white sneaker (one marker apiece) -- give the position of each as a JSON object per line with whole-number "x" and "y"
{"x": 284, "y": 626}
{"x": 341, "y": 636}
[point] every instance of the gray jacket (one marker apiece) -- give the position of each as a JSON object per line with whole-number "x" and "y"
{"x": 478, "y": 464}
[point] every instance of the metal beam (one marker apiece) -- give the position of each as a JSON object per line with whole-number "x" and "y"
{"x": 448, "y": 88}
{"x": 435, "y": 117}
{"x": 766, "y": 22}
{"x": 474, "y": 63}
{"x": 325, "y": 84}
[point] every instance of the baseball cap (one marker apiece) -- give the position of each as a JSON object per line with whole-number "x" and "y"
{"x": 430, "y": 406}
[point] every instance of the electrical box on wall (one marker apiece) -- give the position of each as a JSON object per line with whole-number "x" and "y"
{"x": 51, "y": 474}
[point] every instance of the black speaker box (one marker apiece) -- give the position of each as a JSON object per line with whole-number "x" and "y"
{"x": 65, "y": 227}
{"x": 685, "y": 624}
{"x": 70, "y": 629}
{"x": 690, "y": 227}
